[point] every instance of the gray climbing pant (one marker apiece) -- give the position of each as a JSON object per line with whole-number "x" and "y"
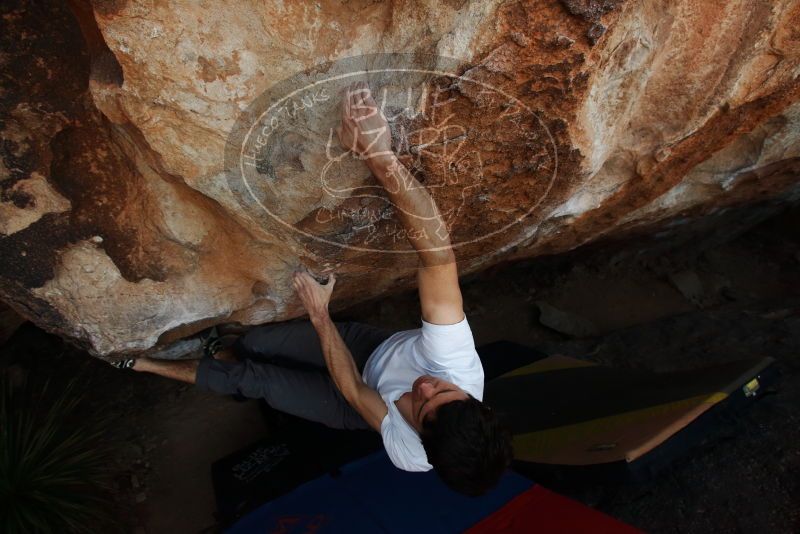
{"x": 284, "y": 365}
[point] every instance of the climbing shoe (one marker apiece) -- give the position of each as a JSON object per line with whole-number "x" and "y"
{"x": 127, "y": 363}
{"x": 214, "y": 341}
{"x": 211, "y": 343}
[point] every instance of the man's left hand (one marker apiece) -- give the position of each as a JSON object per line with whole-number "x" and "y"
{"x": 314, "y": 296}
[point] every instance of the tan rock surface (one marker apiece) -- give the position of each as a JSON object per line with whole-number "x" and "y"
{"x": 122, "y": 225}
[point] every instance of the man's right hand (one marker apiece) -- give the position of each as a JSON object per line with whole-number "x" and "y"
{"x": 364, "y": 129}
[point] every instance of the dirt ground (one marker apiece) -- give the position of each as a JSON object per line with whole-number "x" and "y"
{"x": 660, "y": 310}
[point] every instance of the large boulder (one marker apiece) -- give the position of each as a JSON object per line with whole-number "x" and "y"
{"x": 166, "y": 165}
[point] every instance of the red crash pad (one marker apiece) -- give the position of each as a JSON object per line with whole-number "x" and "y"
{"x": 542, "y": 511}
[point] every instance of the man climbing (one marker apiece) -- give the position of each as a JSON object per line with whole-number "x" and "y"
{"x": 421, "y": 389}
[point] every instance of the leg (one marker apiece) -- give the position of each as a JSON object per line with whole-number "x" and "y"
{"x": 310, "y": 394}
{"x": 183, "y": 370}
{"x": 291, "y": 342}
{"x": 298, "y": 343}
{"x": 362, "y": 339}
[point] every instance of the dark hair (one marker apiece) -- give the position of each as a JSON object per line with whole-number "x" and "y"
{"x": 467, "y": 446}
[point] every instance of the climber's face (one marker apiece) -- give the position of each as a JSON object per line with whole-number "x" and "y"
{"x": 428, "y": 393}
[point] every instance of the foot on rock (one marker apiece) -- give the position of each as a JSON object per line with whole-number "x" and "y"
{"x": 126, "y": 363}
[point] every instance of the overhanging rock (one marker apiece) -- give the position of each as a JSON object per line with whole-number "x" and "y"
{"x": 537, "y": 126}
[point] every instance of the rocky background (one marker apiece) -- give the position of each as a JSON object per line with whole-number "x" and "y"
{"x": 118, "y": 229}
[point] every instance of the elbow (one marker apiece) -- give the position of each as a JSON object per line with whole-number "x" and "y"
{"x": 439, "y": 257}
{"x": 349, "y": 390}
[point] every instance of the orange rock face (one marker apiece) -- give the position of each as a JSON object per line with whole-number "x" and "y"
{"x": 167, "y": 165}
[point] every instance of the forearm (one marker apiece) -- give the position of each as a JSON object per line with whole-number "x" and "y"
{"x": 365, "y": 400}
{"x": 338, "y": 358}
{"x": 416, "y": 209}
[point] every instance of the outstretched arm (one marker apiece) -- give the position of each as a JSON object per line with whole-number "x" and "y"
{"x": 365, "y": 400}
{"x": 366, "y": 132}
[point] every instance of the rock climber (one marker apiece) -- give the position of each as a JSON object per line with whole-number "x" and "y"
{"x": 421, "y": 389}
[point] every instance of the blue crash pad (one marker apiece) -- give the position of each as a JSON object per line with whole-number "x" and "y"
{"x": 370, "y": 495}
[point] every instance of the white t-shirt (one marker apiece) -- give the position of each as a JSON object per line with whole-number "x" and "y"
{"x": 443, "y": 351}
